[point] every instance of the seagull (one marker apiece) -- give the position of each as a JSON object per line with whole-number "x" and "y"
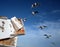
{"x": 35, "y": 4}
{"x": 47, "y": 36}
{"x": 42, "y": 27}
{"x": 34, "y": 12}
{"x": 24, "y": 19}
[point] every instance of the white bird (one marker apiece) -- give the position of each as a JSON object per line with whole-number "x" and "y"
{"x": 24, "y": 19}
{"x": 35, "y": 5}
{"x": 34, "y": 12}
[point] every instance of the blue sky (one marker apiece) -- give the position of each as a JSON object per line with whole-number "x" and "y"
{"x": 49, "y": 14}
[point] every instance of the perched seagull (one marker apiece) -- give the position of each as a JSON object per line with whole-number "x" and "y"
{"x": 35, "y": 5}
{"x": 47, "y": 36}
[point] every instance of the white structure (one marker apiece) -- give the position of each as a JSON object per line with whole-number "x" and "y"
{"x": 9, "y": 29}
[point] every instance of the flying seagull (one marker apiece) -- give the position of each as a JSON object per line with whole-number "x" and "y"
{"x": 34, "y": 12}
{"x": 35, "y": 4}
{"x": 47, "y": 36}
{"x": 42, "y": 27}
{"x": 24, "y": 19}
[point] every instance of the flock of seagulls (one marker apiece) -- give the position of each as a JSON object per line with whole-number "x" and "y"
{"x": 35, "y": 5}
